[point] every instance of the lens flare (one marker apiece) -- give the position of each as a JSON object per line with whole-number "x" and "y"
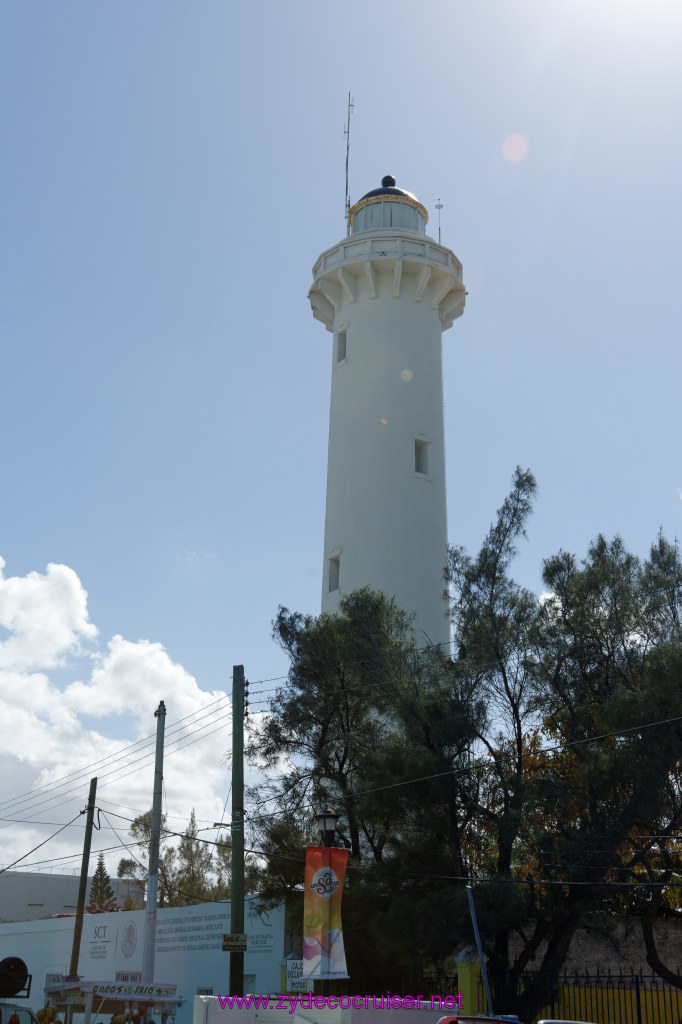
{"x": 515, "y": 148}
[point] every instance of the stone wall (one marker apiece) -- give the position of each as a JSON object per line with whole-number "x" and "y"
{"x": 616, "y": 944}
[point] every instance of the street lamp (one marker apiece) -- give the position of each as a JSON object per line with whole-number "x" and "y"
{"x": 327, "y": 820}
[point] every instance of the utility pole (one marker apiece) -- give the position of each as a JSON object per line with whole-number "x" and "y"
{"x": 82, "y": 888}
{"x": 154, "y": 843}
{"x": 237, "y": 891}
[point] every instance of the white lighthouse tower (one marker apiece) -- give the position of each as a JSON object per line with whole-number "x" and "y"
{"x": 386, "y": 292}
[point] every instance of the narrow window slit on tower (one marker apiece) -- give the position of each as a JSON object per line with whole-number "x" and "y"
{"x": 334, "y": 565}
{"x": 340, "y": 346}
{"x": 421, "y": 456}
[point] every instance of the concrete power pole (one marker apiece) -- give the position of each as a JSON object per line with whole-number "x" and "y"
{"x": 82, "y": 888}
{"x": 237, "y": 888}
{"x": 386, "y": 292}
{"x": 154, "y": 844}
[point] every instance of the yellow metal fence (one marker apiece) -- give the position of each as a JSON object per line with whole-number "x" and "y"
{"x": 624, "y": 998}
{"x": 619, "y": 999}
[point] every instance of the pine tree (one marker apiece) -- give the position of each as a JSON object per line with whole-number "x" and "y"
{"x": 102, "y": 898}
{"x": 194, "y": 865}
{"x": 185, "y": 871}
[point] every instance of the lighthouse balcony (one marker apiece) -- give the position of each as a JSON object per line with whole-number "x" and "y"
{"x": 383, "y": 245}
{"x": 378, "y": 262}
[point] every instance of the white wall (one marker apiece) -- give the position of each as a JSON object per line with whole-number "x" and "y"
{"x": 281, "y": 1011}
{"x": 28, "y": 896}
{"x": 188, "y": 948}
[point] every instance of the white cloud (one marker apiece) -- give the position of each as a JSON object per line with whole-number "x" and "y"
{"x": 195, "y": 557}
{"x": 51, "y": 748}
{"x": 132, "y": 677}
{"x": 30, "y": 699}
{"x": 46, "y": 615}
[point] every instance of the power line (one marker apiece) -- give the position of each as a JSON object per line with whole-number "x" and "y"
{"x": 73, "y": 856}
{"x": 121, "y": 754}
{"x": 27, "y": 821}
{"x": 142, "y": 762}
{"x": 55, "y": 786}
{"x": 488, "y": 765}
{"x": 194, "y": 735}
{"x": 367, "y": 662}
{"x": 2, "y": 870}
{"x": 138, "y": 811}
{"x": 273, "y": 855}
{"x": 125, "y": 845}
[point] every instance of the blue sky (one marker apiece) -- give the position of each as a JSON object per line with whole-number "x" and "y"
{"x": 171, "y": 173}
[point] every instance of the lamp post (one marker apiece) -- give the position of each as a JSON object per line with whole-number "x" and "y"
{"x": 327, "y": 820}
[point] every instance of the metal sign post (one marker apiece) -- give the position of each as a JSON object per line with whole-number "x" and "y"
{"x": 470, "y": 897}
{"x": 234, "y": 942}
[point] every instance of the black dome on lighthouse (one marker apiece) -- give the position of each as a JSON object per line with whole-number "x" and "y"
{"x": 388, "y": 189}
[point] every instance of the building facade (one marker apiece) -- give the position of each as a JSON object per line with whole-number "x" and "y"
{"x": 30, "y": 895}
{"x": 188, "y": 954}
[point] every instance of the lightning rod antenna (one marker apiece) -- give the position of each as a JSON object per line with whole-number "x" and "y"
{"x": 439, "y": 207}
{"x": 346, "y": 132}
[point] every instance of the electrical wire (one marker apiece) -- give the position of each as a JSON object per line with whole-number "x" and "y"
{"x": 137, "y": 811}
{"x": 71, "y": 857}
{"x": 193, "y": 735}
{"x": 2, "y": 870}
{"x": 490, "y": 765}
{"x": 142, "y": 762}
{"x": 270, "y": 855}
{"x": 169, "y": 885}
{"x": 125, "y": 845}
{"x": 342, "y": 692}
{"x": 222, "y": 816}
{"x": 146, "y": 741}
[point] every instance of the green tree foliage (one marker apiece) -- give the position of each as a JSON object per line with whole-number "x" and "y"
{"x": 329, "y": 726}
{"x": 528, "y": 765}
{"x": 222, "y": 866}
{"x": 576, "y": 673}
{"x": 193, "y": 881}
{"x": 191, "y": 868}
{"x": 331, "y": 740}
{"x": 364, "y": 705}
{"x": 102, "y": 897}
{"x": 136, "y": 867}
{"x": 612, "y": 655}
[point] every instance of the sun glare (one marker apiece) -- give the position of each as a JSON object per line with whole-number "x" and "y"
{"x": 515, "y": 148}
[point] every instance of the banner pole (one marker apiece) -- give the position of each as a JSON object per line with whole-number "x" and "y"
{"x": 470, "y": 897}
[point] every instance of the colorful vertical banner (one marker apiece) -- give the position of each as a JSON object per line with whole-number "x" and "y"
{"x": 323, "y": 952}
